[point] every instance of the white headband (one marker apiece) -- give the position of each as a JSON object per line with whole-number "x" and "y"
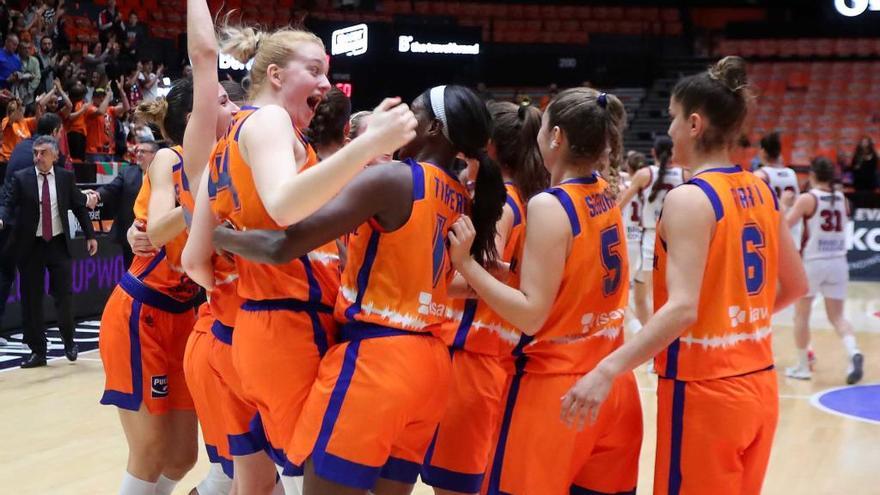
{"x": 438, "y": 105}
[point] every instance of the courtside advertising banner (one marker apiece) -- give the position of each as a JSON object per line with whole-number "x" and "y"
{"x": 863, "y": 244}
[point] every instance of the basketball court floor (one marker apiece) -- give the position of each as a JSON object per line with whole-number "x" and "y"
{"x": 58, "y": 440}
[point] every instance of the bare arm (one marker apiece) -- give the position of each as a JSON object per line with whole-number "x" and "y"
{"x": 269, "y": 140}
{"x": 382, "y": 191}
{"x": 803, "y": 206}
{"x": 199, "y": 136}
{"x": 793, "y": 282}
{"x": 124, "y": 106}
{"x": 548, "y": 239}
{"x": 641, "y": 179}
{"x": 165, "y": 219}
{"x": 83, "y": 109}
{"x": 198, "y": 250}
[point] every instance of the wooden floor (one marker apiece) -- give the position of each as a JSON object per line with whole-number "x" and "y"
{"x": 58, "y": 440}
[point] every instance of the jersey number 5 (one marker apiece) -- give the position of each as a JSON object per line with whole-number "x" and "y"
{"x": 753, "y": 260}
{"x": 611, "y": 261}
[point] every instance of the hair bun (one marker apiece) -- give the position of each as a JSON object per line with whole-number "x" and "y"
{"x": 731, "y": 72}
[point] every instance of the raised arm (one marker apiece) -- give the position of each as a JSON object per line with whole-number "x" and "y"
{"x": 165, "y": 220}
{"x": 268, "y": 140}
{"x": 200, "y": 133}
{"x": 198, "y": 251}
{"x": 123, "y": 107}
{"x": 548, "y": 239}
{"x": 381, "y": 191}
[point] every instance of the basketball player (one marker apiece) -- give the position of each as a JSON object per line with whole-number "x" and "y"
{"x": 144, "y": 330}
{"x": 725, "y": 263}
{"x": 265, "y": 165}
{"x": 651, "y": 184}
{"x": 569, "y": 302}
{"x": 477, "y": 337}
{"x": 392, "y": 301}
{"x": 823, "y": 212}
{"x": 632, "y": 219}
{"x": 782, "y": 179}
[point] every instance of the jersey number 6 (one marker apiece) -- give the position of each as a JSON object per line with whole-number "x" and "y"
{"x": 753, "y": 260}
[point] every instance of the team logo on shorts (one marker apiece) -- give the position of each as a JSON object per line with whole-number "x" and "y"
{"x": 159, "y": 386}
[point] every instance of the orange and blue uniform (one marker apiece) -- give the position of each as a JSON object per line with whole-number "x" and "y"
{"x": 206, "y": 386}
{"x": 286, "y": 323}
{"x": 478, "y": 338}
{"x": 584, "y": 325}
{"x": 381, "y": 392}
{"x": 145, "y": 326}
{"x": 717, "y": 391}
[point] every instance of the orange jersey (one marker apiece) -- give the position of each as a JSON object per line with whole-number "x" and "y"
{"x": 14, "y": 133}
{"x": 473, "y": 325}
{"x": 224, "y": 301}
{"x": 398, "y": 279}
{"x": 77, "y": 124}
{"x": 732, "y": 334}
{"x": 100, "y": 130}
{"x": 585, "y": 322}
{"x": 234, "y": 197}
{"x": 162, "y": 272}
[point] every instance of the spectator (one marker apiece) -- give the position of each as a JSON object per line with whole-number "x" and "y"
{"x": 551, "y": 92}
{"x": 119, "y": 195}
{"x": 484, "y": 93}
{"x": 96, "y": 80}
{"x": 148, "y": 80}
{"x": 10, "y": 64}
{"x": 76, "y": 123}
{"x": 15, "y": 127}
{"x": 95, "y": 60}
{"x": 864, "y": 165}
{"x": 135, "y": 32}
{"x": 101, "y": 120}
{"x": 42, "y": 240}
{"x": 28, "y": 76}
{"x": 48, "y": 59}
{"x": 109, "y": 23}
{"x": 48, "y": 124}
{"x": 4, "y": 19}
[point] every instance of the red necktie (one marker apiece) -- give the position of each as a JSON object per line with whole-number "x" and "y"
{"x": 46, "y": 204}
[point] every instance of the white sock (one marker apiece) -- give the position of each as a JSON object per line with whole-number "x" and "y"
{"x": 164, "y": 485}
{"x": 852, "y": 348}
{"x": 215, "y": 483}
{"x": 803, "y": 359}
{"x": 134, "y": 486}
{"x": 292, "y": 485}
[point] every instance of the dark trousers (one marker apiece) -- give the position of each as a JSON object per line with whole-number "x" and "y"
{"x": 53, "y": 256}
{"x": 7, "y": 269}
{"x": 77, "y": 144}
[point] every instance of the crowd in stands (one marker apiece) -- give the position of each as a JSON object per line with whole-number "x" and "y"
{"x": 92, "y": 84}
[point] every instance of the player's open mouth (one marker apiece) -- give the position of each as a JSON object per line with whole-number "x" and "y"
{"x": 313, "y": 102}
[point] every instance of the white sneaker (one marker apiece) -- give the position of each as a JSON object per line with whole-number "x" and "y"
{"x": 3, "y": 341}
{"x": 798, "y": 373}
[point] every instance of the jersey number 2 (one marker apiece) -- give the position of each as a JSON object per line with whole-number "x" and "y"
{"x": 611, "y": 261}
{"x": 753, "y": 260}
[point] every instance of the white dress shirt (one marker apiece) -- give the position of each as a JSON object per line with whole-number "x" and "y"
{"x": 57, "y": 227}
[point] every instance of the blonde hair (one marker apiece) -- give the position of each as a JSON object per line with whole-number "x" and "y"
{"x": 266, "y": 48}
{"x": 152, "y": 112}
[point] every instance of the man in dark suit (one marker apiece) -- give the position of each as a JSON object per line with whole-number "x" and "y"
{"x": 36, "y": 202}
{"x": 22, "y": 157}
{"x": 119, "y": 195}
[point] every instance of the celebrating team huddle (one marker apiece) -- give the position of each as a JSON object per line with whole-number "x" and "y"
{"x": 370, "y": 321}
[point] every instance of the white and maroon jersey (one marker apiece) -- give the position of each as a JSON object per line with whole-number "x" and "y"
{"x": 824, "y": 232}
{"x": 632, "y": 214}
{"x": 782, "y": 179}
{"x": 673, "y": 177}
